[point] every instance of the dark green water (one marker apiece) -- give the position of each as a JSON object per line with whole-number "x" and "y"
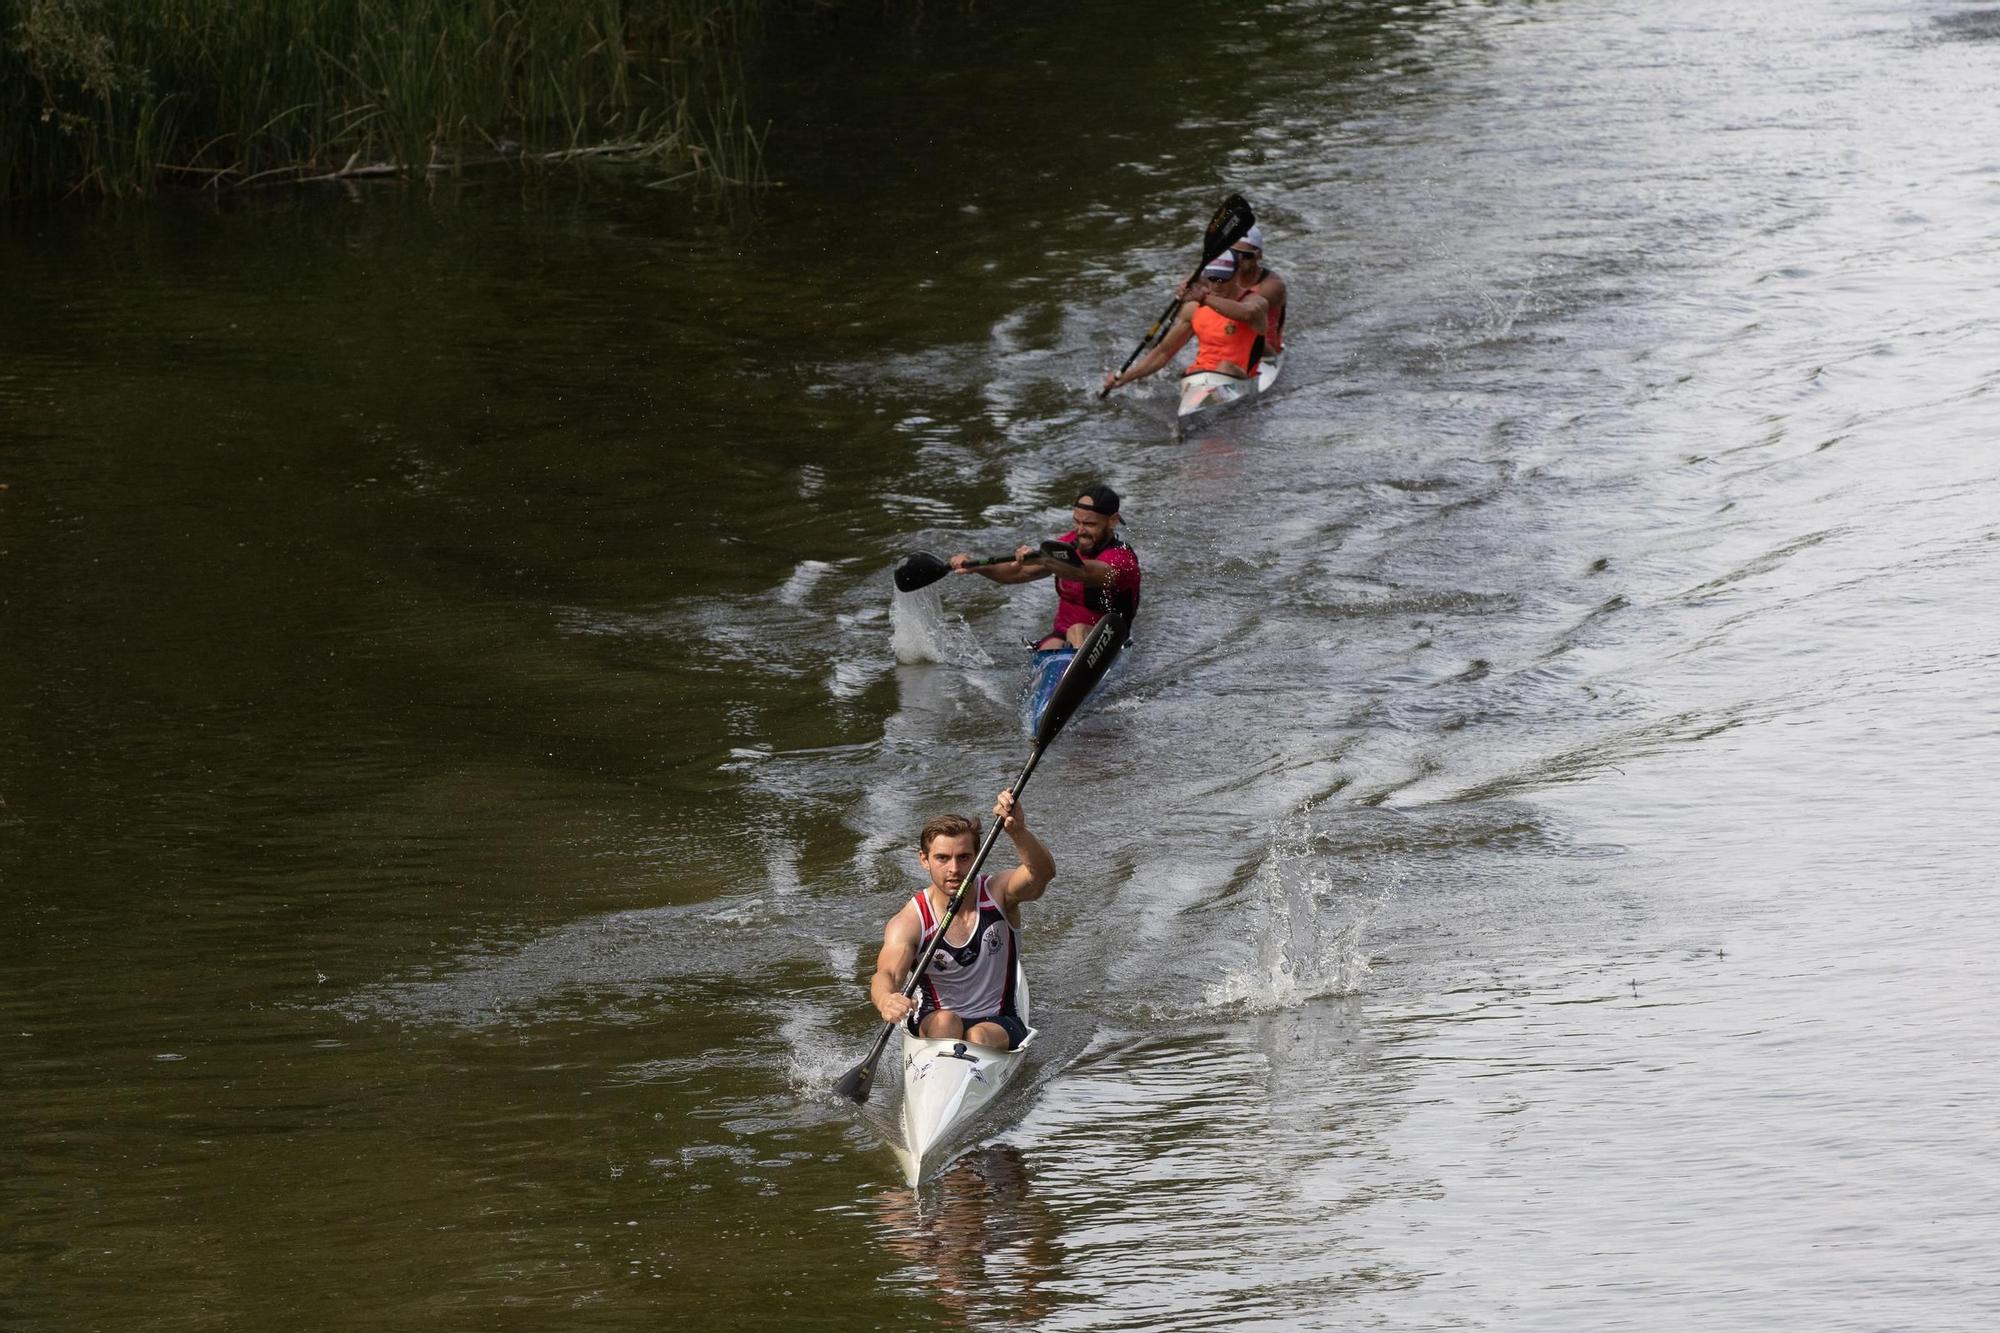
{"x": 456, "y": 759}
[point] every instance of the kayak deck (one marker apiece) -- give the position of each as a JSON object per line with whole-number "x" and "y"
{"x": 1045, "y": 672}
{"x": 947, "y": 1081}
{"x": 1207, "y": 394}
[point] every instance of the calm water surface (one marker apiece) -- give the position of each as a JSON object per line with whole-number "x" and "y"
{"x": 1533, "y": 871}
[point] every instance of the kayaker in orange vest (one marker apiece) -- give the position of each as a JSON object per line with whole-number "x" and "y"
{"x": 1227, "y": 319}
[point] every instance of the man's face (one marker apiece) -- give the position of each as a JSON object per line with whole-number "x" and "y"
{"x": 948, "y": 860}
{"x": 1092, "y": 528}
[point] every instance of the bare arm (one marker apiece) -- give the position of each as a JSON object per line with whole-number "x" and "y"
{"x": 1030, "y": 879}
{"x": 892, "y": 966}
{"x": 1250, "y": 308}
{"x": 1015, "y": 571}
{"x": 1161, "y": 353}
{"x": 1093, "y": 573}
{"x": 1272, "y": 288}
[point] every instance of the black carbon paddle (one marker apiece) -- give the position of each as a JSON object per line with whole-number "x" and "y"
{"x": 920, "y": 569}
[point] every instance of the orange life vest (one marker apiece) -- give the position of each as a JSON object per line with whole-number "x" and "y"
{"x": 1223, "y": 339}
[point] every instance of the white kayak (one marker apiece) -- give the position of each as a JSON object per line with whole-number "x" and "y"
{"x": 945, "y": 1084}
{"x": 1208, "y": 393}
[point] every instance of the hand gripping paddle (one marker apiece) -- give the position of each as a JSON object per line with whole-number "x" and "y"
{"x": 920, "y": 569}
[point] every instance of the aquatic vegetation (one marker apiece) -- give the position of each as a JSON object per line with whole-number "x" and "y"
{"x": 122, "y": 97}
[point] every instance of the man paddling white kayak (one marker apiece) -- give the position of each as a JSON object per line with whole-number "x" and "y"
{"x": 1103, "y": 578}
{"x": 968, "y": 989}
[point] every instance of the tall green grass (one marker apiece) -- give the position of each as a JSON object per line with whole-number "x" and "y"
{"x": 121, "y": 97}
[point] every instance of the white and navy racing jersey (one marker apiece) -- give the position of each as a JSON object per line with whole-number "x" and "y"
{"x": 976, "y": 979}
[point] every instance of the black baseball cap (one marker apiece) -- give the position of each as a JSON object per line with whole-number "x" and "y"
{"x": 1099, "y": 499}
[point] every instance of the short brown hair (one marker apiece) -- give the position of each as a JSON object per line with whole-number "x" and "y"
{"x": 945, "y": 826}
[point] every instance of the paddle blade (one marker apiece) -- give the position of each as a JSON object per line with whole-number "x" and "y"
{"x": 1085, "y": 670}
{"x": 1062, "y": 553}
{"x": 919, "y": 570}
{"x": 858, "y": 1082}
{"x": 1227, "y": 227}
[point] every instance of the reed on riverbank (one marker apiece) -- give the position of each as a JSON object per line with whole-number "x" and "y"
{"x": 122, "y": 97}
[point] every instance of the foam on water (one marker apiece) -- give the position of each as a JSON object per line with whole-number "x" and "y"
{"x": 800, "y": 584}
{"x": 816, "y": 1056}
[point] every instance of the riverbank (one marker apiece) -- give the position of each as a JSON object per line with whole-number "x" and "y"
{"x": 103, "y": 99}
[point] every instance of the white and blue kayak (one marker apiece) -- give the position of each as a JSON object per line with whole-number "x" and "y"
{"x": 1207, "y": 394}
{"x": 946, "y": 1083}
{"x": 1045, "y": 672}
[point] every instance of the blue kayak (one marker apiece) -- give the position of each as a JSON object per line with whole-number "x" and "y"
{"x": 1043, "y": 673}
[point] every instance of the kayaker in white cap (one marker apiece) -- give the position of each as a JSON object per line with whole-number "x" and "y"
{"x": 1249, "y": 256}
{"x": 1226, "y": 318}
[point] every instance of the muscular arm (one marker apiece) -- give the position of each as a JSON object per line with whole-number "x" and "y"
{"x": 1094, "y": 573}
{"x": 1030, "y": 564}
{"x": 1272, "y": 288}
{"x": 892, "y": 966}
{"x": 1016, "y": 570}
{"x": 1250, "y": 309}
{"x": 1030, "y": 879}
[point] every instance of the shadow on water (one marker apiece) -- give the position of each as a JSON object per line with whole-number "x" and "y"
{"x": 978, "y": 1241}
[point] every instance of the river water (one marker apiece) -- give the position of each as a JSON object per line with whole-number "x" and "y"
{"x": 1532, "y": 871}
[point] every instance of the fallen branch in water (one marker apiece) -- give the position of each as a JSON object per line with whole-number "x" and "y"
{"x": 355, "y": 169}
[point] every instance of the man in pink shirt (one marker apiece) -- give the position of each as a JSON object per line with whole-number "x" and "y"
{"x": 1104, "y": 578}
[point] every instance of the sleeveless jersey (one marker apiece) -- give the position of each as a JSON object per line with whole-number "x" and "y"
{"x": 1223, "y": 339}
{"x": 976, "y": 979}
{"x": 1078, "y": 603}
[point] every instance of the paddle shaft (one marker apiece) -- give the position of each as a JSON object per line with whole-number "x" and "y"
{"x": 1173, "y": 304}
{"x": 920, "y": 569}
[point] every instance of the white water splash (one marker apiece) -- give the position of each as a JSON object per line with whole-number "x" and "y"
{"x": 1307, "y": 940}
{"x": 816, "y": 1057}
{"x": 920, "y": 631}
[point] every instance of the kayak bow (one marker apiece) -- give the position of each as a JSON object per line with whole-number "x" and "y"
{"x": 1207, "y": 394}
{"x": 946, "y": 1082}
{"x": 1044, "y": 673}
